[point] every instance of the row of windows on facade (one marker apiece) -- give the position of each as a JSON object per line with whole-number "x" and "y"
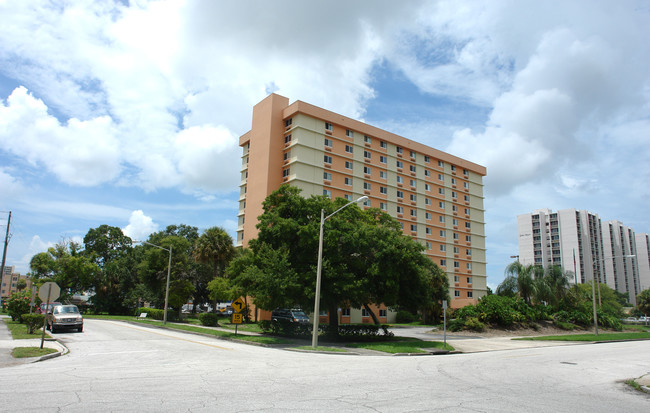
{"x": 384, "y": 190}
{"x": 383, "y": 174}
{"x": 382, "y": 144}
{"x": 384, "y": 159}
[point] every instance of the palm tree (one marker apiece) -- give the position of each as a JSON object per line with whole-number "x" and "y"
{"x": 214, "y": 247}
{"x": 556, "y": 283}
{"x": 523, "y": 276}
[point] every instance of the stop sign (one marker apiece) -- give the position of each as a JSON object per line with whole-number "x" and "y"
{"x": 49, "y": 288}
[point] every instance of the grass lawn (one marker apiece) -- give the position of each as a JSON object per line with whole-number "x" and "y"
{"x": 19, "y": 331}
{"x": 593, "y": 337}
{"x": 411, "y": 345}
{"x": 22, "y": 352}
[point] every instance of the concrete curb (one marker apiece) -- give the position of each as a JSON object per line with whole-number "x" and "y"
{"x": 63, "y": 350}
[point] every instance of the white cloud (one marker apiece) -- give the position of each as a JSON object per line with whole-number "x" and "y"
{"x": 140, "y": 226}
{"x": 10, "y": 187}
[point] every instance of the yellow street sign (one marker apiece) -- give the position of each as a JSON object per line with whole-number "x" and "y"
{"x": 237, "y": 318}
{"x": 238, "y": 305}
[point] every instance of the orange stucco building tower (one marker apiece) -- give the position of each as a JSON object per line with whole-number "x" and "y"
{"x": 437, "y": 197}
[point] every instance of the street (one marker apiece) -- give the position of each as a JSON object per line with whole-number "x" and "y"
{"x": 115, "y": 366}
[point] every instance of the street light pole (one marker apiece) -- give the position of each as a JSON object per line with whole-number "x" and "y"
{"x": 169, "y": 271}
{"x": 593, "y": 289}
{"x": 319, "y": 267}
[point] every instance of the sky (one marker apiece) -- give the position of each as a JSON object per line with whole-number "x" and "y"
{"x": 128, "y": 113}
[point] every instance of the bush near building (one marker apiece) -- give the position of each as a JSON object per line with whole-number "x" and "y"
{"x": 33, "y": 322}
{"x": 17, "y": 305}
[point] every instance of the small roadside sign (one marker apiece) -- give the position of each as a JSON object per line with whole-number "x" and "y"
{"x": 238, "y": 305}
{"x": 49, "y": 292}
{"x": 237, "y": 318}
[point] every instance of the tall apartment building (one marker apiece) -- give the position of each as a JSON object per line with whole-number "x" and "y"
{"x": 9, "y": 284}
{"x": 437, "y": 197}
{"x": 580, "y": 242}
{"x": 643, "y": 258}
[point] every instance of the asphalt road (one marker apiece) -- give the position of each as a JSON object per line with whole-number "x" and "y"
{"x": 114, "y": 366}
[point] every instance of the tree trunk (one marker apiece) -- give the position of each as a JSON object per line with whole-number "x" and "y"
{"x": 334, "y": 320}
{"x": 372, "y": 314}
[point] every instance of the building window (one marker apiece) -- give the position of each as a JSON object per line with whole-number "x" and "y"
{"x": 443, "y": 233}
{"x": 366, "y": 170}
{"x": 469, "y": 280}
{"x": 345, "y": 312}
{"x": 427, "y": 187}
{"x": 382, "y": 313}
{"x": 400, "y": 210}
{"x": 456, "y": 264}
{"x": 466, "y": 197}
{"x": 442, "y": 218}
{"x": 466, "y": 185}
{"x": 453, "y": 168}
{"x": 427, "y": 231}
{"x": 412, "y": 154}
{"x": 470, "y": 294}
{"x": 328, "y": 126}
{"x": 400, "y": 194}
{"x": 427, "y": 173}
{"x": 441, "y": 178}
{"x": 348, "y": 197}
{"x": 366, "y": 202}
{"x": 455, "y": 222}
{"x": 455, "y": 235}
{"x": 364, "y": 313}
{"x": 453, "y": 181}
{"x": 441, "y": 205}
{"x": 456, "y": 293}
{"x": 441, "y": 163}
{"x": 427, "y": 215}
{"x": 456, "y": 279}
{"x": 414, "y": 228}
{"x": 366, "y": 154}
{"x": 382, "y": 206}
{"x": 383, "y": 159}
{"x": 400, "y": 180}
{"x": 327, "y": 176}
{"x": 443, "y": 263}
{"x": 383, "y": 190}
{"x": 400, "y": 164}
{"x": 412, "y": 168}
{"x": 348, "y": 181}
{"x": 468, "y": 238}
{"x": 426, "y": 159}
{"x": 468, "y": 225}
{"x": 382, "y": 174}
{"x": 383, "y": 144}
{"x": 414, "y": 212}
{"x": 441, "y": 191}
{"x": 428, "y": 244}
{"x": 443, "y": 247}
{"x": 367, "y": 139}
{"x": 288, "y": 122}
{"x": 427, "y": 201}
{"x": 366, "y": 186}
{"x": 348, "y": 165}
{"x": 327, "y": 193}
{"x": 328, "y": 143}
{"x": 349, "y": 149}
{"x": 287, "y": 139}
{"x": 349, "y": 133}
{"x": 469, "y": 266}
{"x": 414, "y": 198}
{"x": 327, "y": 159}
{"x": 453, "y": 194}
{"x": 398, "y": 149}
{"x": 287, "y": 155}
{"x": 465, "y": 172}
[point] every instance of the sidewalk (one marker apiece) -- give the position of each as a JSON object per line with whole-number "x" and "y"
{"x": 7, "y": 344}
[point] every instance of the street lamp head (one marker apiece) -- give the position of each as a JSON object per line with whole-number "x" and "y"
{"x": 363, "y": 198}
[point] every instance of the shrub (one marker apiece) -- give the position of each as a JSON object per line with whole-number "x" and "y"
{"x": 405, "y": 317}
{"x": 18, "y": 304}
{"x": 209, "y": 319}
{"x": 564, "y": 325}
{"x": 456, "y": 324}
{"x": 33, "y": 322}
{"x": 158, "y": 313}
{"x": 473, "y": 323}
{"x": 499, "y": 310}
{"x": 609, "y": 321}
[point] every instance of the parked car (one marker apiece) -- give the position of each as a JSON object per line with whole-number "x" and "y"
{"x": 292, "y": 316}
{"x": 65, "y": 317}
{"x": 47, "y": 308}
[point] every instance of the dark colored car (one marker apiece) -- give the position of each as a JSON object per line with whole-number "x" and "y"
{"x": 292, "y": 316}
{"x": 65, "y": 317}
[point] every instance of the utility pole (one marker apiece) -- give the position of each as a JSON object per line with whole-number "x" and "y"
{"x": 4, "y": 252}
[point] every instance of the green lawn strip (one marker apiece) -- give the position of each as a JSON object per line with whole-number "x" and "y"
{"x": 251, "y": 327}
{"x": 218, "y": 333}
{"x": 322, "y": 348}
{"x": 592, "y": 337}
{"x": 22, "y": 352}
{"x": 402, "y": 346}
{"x": 19, "y": 331}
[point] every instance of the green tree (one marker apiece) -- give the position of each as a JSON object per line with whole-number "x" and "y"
{"x": 643, "y": 302}
{"x": 66, "y": 265}
{"x": 112, "y": 251}
{"x": 21, "y": 284}
{"x": 523, "y": 276}
{"x": 366, "y": 258}
{"x": 215, "y": 249}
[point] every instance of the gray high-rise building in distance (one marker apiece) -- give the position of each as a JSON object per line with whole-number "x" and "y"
{"x": 578, "y": 241}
